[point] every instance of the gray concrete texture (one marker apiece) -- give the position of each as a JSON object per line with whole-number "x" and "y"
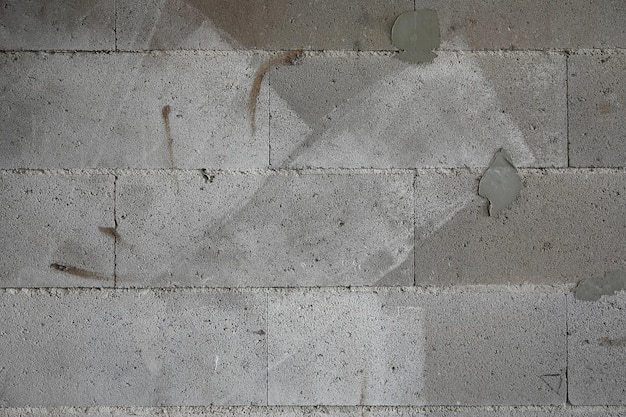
{"x": 57, "y": 24}
{"x": 597, "y": 100}
{"x": 97, "y": 347}
{"x": 403, "y": 347}
{"x": 597, "y": 350}
{"x": 366, "y": 25}
{"x": 107, "y": 110}
{"x": 380, "y": 112}
{"x": 55, "y": 219}
{"x": 566, "y": 225}
{"x": 199, "y": 348}
{"x": 230, "y": 230}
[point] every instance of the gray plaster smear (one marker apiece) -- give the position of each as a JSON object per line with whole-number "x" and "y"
{"x": 181, "y": 229}
{"x": 145, "y": 348}
{"x": 54, "y": 219}
{"x": 567, "y": 225}
{"x": 592, "y": 289}
{"x": 376, "y": 112}
{"x": 405, "y": 347}
{"x": 501, "y": 183}
{"x": 78, "y": 110}
{"x": 416, "y": 34}
{"x": 597, "y": 350}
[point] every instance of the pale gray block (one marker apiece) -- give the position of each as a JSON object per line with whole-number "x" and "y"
{"x": 597, "y": 99}
{"x": 565, "y": 226}
{"x": 233, "y": 230}
{"x": 46, "y": 219}
{"x": 102, "y": 110}
{"x": 272, "y": 24}
{"x": 57, "y": 24}
{"x": 597, "y": 350}
{"x": 380, "y": 112}
{"x": 145, "y": 348}
{"x": 403, "y": 347}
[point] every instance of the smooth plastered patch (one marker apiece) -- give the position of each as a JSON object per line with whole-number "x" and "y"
{"x": 501, "y": 183}
{"x": 591, "y": 289}
{"x": 416, "y": 34}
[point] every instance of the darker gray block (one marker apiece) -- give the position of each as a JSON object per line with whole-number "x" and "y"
{"x": 275, "y": 24}
{"x": 597, "y": 96}
{"x": 565, "y": 226}
{"x": 95, "y": 348}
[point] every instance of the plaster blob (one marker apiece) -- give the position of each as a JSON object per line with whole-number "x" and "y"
{"x": 591, "y": 289}
{"x": 501, "y": 183}
{"x": 416, "y": 34}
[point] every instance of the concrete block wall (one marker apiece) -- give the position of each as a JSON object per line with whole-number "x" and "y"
{"x": 165, "y": 254}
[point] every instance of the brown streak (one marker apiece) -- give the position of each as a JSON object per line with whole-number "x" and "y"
{"x": 605, "y": 341}
{"x": 165, "y": 114}
{"x": 79, "y": 272}
{"x": 284, "y": 58}
{"x": 110, "y": 231}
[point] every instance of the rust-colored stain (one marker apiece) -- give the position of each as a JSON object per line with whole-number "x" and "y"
{"x": 605, "y": 108}
{"x": 605, "y": 341}
{"x": 165, "y": 115}
{"x": 284, "y": 58}
{"x": 110, "y": 231}
{"x": 78, "y": 272}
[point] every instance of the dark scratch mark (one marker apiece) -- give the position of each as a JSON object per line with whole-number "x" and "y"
{"x": 284, "y": 58}
{"x": 110, "y": 231}
{"x": 79, "y": 272}
{"x": 605, "y": 341}
{"x": 165, "y": 115}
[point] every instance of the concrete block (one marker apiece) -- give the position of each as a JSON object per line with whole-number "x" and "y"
{"x": 57, "y": 24}
{"x": 597, "y": 350}
{"x": 380, "y": 112}
{"x": 275, "y": 24}
{"x": 565, "y": 226}
{"x": 404, "y": 347}
{"x": 597, "y": 99}
{"x": 93, "y": 348}
{"x": 232, "y": 230}
{"x": 533, "y": 24}
{"x": 102, "y": 110}
{"x": 46, "y": 219}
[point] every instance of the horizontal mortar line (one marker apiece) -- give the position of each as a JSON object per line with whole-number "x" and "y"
{"x": 219, "y": 410}
{"x": 299, "y": 171}
{"x": 313, "y": 52}
{"x": 422, "y": 290}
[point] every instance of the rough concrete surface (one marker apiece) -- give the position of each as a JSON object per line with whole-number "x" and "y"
{"x": 232, "y": 230}
{"x": 57, "y": 24}
{"x": 597, "y": 102}
{"x": 403, "y": 347}
{"x": 380, "y": 112}
{"x": 597, "y": 350}
{"x": 272, "y": 24}
{"x": 54, "y": 219}
{"x": 103, "y": 110}
{"x": 566, "y": 225}
{"x": 144, "y": 348}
